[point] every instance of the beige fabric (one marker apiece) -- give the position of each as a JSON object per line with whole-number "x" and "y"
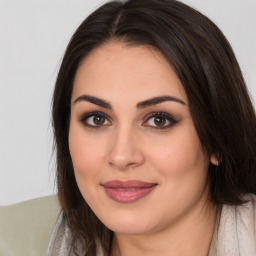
{"x": 25, "y": 228}
{"x": 61, "y": 240}
{"x": 235, "y": 232}
{"x": 237, "y": 229}
{"x": 213, "y": 246}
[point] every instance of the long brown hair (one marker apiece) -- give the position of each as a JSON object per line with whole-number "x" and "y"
{"x": 206, "y": 65}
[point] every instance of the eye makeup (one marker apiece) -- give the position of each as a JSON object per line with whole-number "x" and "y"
{"x": 95, "y": 119}
{"x": 159, "y": 120}
{"x": 155, "y": 120}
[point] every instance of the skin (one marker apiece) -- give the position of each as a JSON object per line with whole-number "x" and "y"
{"x": 176, "y": 218}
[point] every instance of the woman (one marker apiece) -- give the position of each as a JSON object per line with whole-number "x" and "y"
{"x": 155, "y": 137}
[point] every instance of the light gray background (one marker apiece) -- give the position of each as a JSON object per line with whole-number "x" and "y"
{"x": 33, "y": 37}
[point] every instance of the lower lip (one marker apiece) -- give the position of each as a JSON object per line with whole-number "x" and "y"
{"x": 123, "y": 195}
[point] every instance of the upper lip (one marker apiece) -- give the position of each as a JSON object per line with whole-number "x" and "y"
{"x": 128, "y": 184}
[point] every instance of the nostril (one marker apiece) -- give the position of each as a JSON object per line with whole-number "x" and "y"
{"x": 122, "y": 162}
{"x": 124, "y": 152}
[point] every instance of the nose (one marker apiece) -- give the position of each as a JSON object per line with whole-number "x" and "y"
{"x": 125, "y": 150}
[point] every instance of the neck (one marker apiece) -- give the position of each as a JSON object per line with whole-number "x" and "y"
{"x": 190, "y": 235}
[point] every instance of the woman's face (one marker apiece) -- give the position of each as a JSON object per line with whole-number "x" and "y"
{"x": 137, "y": 158}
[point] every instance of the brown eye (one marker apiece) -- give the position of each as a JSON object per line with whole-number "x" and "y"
{"x": 95, "y": 120}
{"x": 160, "y": 121}
{"x": 99, "y": 120}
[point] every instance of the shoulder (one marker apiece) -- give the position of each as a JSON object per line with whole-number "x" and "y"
{"x": 245, "y": 212}
{"x": 237, "y": 228}
{"x": 25, "y": 228}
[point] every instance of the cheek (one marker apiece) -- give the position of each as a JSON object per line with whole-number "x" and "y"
{"x": 85, "y": 153}
{"x": 179, "y": 156}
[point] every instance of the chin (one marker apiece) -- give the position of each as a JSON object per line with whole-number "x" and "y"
{"x": 132, "y": 229}
{"x": 128, "y": 224}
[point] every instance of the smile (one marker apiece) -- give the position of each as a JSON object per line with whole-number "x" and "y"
{"x": 128, "y": 191}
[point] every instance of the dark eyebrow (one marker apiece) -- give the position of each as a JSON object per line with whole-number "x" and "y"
{"x": 157, "y": 100}
{"x": 94, "y": 100}
{"x": 143, "y": 104}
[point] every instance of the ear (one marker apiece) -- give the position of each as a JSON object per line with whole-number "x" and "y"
{"x": 215, "y": 159}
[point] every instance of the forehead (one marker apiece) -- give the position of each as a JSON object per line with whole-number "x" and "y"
{"x": 115, "y": 69}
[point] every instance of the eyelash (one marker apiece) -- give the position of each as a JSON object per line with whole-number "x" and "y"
{"x": 85, "y": 118}
{"x": 166, "y": 116}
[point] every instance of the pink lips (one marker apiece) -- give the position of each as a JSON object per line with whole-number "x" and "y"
{"x": 127, "y": 191}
